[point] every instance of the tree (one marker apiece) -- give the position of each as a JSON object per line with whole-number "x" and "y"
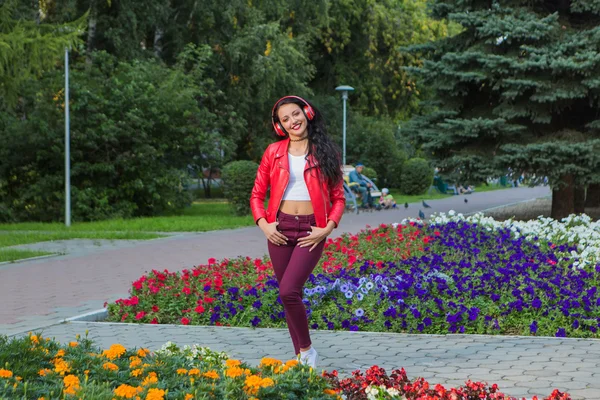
{"x": 361, "y": 45}
{"x": 28, "y": 48}
{"x": 517, "y": 88}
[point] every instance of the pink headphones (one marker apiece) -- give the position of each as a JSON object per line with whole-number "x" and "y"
{"x": 308, "y": 112}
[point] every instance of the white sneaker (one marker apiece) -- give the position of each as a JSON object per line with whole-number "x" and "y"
{"x": 309, "y": 358}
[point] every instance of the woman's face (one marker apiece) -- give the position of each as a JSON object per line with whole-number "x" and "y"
{"x": 293, "y": 120}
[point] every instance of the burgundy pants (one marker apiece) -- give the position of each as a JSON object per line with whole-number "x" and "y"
{"x": 293, "y": 265}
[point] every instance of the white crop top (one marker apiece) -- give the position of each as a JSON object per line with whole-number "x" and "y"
{"x": 296, "y": 188}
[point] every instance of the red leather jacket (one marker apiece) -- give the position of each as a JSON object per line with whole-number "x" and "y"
{"x": 274, "y": 171}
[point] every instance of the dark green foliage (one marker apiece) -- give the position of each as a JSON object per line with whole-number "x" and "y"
{"x": 370, "y": 173}
{"x": 136, "y": 128}
{"x": 238, "y": 180}
{"x": 371, "y": 141}
{"x": 518, "y": 88}
{"x": 417, "y": 176}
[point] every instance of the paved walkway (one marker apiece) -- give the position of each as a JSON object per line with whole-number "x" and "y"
{"x": 42, "y": 293}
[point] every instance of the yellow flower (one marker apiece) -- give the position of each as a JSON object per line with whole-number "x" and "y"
{"x": 4, "y": 373}
{"x": 110, "y": 366}
{"x": 143, "y": 352}
{"x": 34, "y": 339}
{"x": 234, "y": 372}
{"x": 44, "y": 372}
{"x": 150, "y": 379}
{"x": 182, "y": 371}
{"x": 60, "y": 353}
{"x": 61, "y": 367}
{"x": 269, "y": 48}
{"x": 137, "y": 372}
{"x": 232, "y": 363}
{"x": 194, "y": 371}
{"x": 127, "y": 391}
{"x": 115, "y": 351}
{"x": 269, "y": 362}
{"x": 19, "y": 378}
{"x": 155, "y": 394}
{"x": 71, "y": 380}
{"x": 87, "y": 371}
{"x": 71, "y": 390}
{"x": 211, "y": 374}
{"x": 135, "y": 362}
{"x": 253, "y": 383}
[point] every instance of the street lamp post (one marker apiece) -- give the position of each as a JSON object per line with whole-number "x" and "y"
{"x": 344, "y": 89}
{"x": 67, "y": 145}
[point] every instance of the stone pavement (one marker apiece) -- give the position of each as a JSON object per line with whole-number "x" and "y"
{"x": 40, "y": 294}
{"x": 521, "y": 366}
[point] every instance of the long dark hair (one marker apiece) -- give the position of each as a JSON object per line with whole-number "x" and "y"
{"x": 320, "y": 145}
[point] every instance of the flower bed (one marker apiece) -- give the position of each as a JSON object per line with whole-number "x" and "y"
{"x": 36, "y": 368}
{"x": 452, "y": 276}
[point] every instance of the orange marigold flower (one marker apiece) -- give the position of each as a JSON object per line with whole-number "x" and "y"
{"x": 155, "y": 394}
{"x": 182, "y": 371}
{"x": 19, "y": 378}
{"x": 110, "y": 366}
{"x": 4, "y": 373}
{"x": 115, "y": 351}
{"x": 150, "y": 379}
{"x": 211, "y": 374}
{"x": 137, "y": 372}
{"x": 60, "y": 353}
{"x": 329, "y": 391}
{"x": 188, "y": 396}
{"x": 232, "y": 363}
{"x": 34, "y": 339}
{"x": 135, "y": 362}
{"x": 44, "y": 372}
{"x": 71, "y": 380}
{"x": 71, "y": 390}
{"x": 61, "y": 367}
{"x": 269, "y": 362}
{"x": 87, "y": 371}
{"x": 143, "y": 352}
{"x": 194, "y": 371}
{"x": 127, "y": 391}
{"x": 73, "y": 344}
{"x": 234, "y": 372}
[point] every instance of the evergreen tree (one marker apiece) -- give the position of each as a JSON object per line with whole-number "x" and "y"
{"x": 517, "y": 88}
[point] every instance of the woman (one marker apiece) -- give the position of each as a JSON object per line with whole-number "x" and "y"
{"x": 303, "y": 172}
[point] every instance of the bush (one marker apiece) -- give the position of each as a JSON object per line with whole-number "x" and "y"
{"x": 238, "y": 180}
{"x": 417, "y": 176}
{"x": 370, "y": 173}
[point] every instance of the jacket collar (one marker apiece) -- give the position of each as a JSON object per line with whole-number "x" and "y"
{"x": 282, "y": 151}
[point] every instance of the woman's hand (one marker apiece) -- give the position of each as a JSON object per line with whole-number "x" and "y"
{"x": 272, "y": 234}
{"x": 315, "y": 236}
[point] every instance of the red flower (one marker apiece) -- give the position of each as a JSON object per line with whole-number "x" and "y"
{"x": 155, "y": 308}
{"x": 140, "y": 315}
{"x": 199, "y": 309}
{"x": 211, "y": 261}
{"x": 185, "y": 321}
{"x": 187, "y": 290}
{"x": 154, "y": 321}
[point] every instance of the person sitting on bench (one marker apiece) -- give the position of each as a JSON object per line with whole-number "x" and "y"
{"x": 364, "y": 187}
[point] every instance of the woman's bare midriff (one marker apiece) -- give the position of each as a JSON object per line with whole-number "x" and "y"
{"x": 295, "y": 207}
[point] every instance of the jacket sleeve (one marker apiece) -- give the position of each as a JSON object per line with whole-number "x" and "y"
{"x": 338, "y": 202}
{"x": 261, "y": 184}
